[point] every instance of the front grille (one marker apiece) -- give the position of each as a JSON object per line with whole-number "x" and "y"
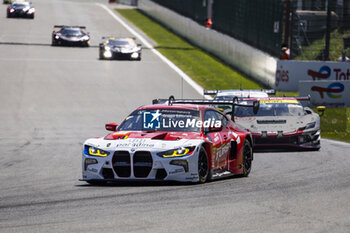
{"x": 107, "y": 173}
{"x": 142, "y": 163}
{"x": 121, "y": 163}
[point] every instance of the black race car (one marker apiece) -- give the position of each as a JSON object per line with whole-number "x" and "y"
{"x": 70, "y": 36}
{"x": 120, "y": 48}
{"x": 21, "y": 9}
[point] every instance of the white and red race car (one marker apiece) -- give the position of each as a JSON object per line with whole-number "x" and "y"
{"x": 281, "y": 122}
{"x": 183, "y": 140}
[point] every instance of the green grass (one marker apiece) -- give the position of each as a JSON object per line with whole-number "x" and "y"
{"x": 335, "y": 124}
{"x": 336, "y": 47}
{"x": 211, "y": 73}
{"x": 206, "y": 70}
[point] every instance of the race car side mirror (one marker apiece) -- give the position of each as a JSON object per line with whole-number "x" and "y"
{"x": 214, "y": 128}
{"x": 111, "y": 126}
{"x": 320, "y": 110}
{"x": 256, "y": 105}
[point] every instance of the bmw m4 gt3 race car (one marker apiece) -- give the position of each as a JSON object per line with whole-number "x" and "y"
{"x": 70, "y": 36}
{"x": 120, "y": 48}
{"x": 179, "y": 141}
{"x": 281, "y": 122}
{"x": 21, "y": 9}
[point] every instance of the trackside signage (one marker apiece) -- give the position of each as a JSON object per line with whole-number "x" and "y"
{"x": 289, "y": 73}
{"x": 326, "y": 93}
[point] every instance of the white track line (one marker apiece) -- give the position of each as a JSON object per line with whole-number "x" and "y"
{"x": 192, "y": 83}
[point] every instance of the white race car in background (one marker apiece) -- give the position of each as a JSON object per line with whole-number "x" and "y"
{"x": 281, "y": 122}
{"x": 230, "y": 94}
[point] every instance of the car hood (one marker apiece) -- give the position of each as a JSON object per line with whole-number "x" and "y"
{"x": 146, "y": 140}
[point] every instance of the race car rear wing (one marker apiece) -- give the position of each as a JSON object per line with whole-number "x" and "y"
{"x": 115, "y": 37}
{"x": 61, "y": 26}
{"x": 299, "y": 98}
{"x": 214, "y": 92}
{"x": 234, "y": 102}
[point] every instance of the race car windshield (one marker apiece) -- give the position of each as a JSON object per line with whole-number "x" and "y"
{"x": 20, "y": 5}
{"x": 162, "y": 120}
{"x": 271, "y": 109}
{"x": 73, "y": 32}
{"x": 118, "y": 42}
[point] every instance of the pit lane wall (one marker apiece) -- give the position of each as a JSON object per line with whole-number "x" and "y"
{"x": 326, "y": 93}
{"x": 250, "y": 61}
{"x": 289, "y": 73}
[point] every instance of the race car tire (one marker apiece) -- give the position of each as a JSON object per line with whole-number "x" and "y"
{"x": 32, "y": 17}
{"x": 54, "y": 42}
{"x": 247, "y": 157}
{"x": 96, "y": 182}
{"x": 203, "y": 166}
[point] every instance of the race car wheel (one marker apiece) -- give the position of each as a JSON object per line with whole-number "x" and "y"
{"x": 203, "y": 166}
{"x": 247, "y": 157}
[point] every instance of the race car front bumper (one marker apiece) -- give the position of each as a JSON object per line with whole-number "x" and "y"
{"x": 301, "y": 140}
{"x": 139, "y": 165}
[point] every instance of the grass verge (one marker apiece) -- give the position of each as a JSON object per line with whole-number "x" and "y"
{"x": 206, "y": 70}
{"x": 335, "y": 124}
{"x": 312, "y": 52}
{"x": 211, "y": 73}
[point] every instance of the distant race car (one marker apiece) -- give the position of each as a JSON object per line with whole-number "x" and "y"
{"x": 7, "y": 1}
{"x": 120, "y": 48}
{"x": 231, "y": 94}
{"x": 70, "y": 36}
{"x": 21, "y": 9}
{"x": 179, "y": 141}
{"x": 281, "y": 122}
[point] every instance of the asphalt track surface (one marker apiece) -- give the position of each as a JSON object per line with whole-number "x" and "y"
{"x": 53, "y": 98}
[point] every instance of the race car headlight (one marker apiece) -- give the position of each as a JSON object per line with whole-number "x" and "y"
{"x": 31, "y": 11}
{"x": 57, "y": 37}
{"x": 311, "y": 125}
{"x": 107, "y": 54}
{"x": 89, "y": 150}
{"x": 12, "y": 10}
{"x": 86, "y": 37}
{"x": 179, "y": 152}
{"x": 134, "y": 55}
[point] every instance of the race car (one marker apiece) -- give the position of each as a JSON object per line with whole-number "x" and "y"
{"x": 183, "y": 140}
{"x": 230, "y": 94}
{"x": 70, "y": 36}
{"x": 21, "y": 9}
{"x": 120, "y": 48}
{"x": 7, "y": 1}
{"x": 281, "y": 123}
